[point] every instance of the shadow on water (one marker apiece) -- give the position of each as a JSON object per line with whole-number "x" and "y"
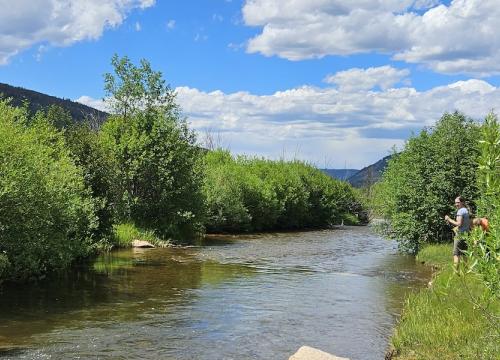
{"x": 121, "y": 286}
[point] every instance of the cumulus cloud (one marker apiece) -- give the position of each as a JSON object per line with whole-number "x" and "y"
{"x": 365, "y": 79}
{"x": 455, "y": 38}
{"x": 352, "y": 123}
{"x": 25, "y": 23}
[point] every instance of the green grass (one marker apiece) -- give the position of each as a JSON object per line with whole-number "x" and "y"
{"x": 436, "y": 255}
{"x": 127, "y": 232}
{"x": 452, "y": 319}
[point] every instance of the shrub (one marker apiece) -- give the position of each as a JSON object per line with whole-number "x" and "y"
{"x": 160, "y": 177}
{"x": 420, "y": 183}
{"x": 100, "y": 173}
{"x": 46, "y": 213}
{"x": 485, "y": 247}
{"x": 251, "y": 194}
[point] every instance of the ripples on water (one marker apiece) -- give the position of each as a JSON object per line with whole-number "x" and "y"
{"x": 245, "y": 297}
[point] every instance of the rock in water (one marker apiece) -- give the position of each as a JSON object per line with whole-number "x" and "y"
{"x": 309, "y": 353}
{"x": 142, "y": 244}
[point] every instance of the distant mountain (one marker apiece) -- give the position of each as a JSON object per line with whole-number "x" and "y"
{"x": 370, "y": 174}
{"x": 38, "y": 101}
{"x": 360, "y": 178}
{"x": 340, "y": 174}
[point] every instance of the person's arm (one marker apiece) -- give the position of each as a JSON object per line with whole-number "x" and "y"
{"x": 458, "y": 222}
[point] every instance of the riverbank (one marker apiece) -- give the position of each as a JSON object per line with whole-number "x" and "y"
{"x": 450, "y": 319}
{"x": 126, "y": 233}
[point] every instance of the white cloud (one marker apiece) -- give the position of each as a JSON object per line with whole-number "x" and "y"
{"x": 138, "y": 26}
{"x": 25, "y": 23}
{"x": 350, "y": 123}
{"x": 365, "y": 79}
{"x": 457, "y": 38}
{"x": 98, "y": 104}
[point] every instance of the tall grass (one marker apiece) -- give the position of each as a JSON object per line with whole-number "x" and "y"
{"x": 126, "y": 233}
{"x": 448, "y": 320}
{"x": 438, "y": 255}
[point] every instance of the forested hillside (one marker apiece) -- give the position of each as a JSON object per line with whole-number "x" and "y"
{"x": 38, "y": 101}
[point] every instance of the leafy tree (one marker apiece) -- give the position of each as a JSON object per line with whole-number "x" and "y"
{"x": 134, "y": 90}
{"x": 420, "y": 183}
{"x": 160, "y": 174}
{"x": 59, "y": 117}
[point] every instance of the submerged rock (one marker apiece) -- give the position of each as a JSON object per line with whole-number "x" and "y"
{"x": 309, "y": 353}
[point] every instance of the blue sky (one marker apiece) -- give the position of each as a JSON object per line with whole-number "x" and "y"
{"x": 333, "y": 82}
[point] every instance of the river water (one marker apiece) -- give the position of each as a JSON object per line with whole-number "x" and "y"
{"x": 233, "y": 297}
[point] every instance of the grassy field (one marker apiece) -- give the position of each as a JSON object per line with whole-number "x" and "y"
{"x": 451, "y": 319}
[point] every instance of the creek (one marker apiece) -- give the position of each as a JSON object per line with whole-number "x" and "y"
{"x": 233, "y": 297}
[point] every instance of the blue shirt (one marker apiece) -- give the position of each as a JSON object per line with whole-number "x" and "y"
{"x": 464, "y": 213}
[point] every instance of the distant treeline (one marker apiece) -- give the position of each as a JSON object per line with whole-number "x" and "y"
{"x": 65, "y": 186}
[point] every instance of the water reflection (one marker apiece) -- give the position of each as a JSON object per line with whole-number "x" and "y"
{"x": 249, "y": 297}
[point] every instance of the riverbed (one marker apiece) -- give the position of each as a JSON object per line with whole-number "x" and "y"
{"x": 232, "y": 297}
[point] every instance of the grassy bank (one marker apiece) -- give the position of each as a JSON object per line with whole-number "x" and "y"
{"x": 125, "y": 234}
{"x": 450, "y": 319}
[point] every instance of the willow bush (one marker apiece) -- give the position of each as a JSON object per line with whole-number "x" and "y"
{"x": 252, "y": 194}
{"x": 420, "y": 183}
{"x": 46, "y": 213}
{"x": 100, "y": 174}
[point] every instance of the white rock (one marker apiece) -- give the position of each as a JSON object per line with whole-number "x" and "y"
{"x": 142, "y": 244}
{"x": 309, "y": 353}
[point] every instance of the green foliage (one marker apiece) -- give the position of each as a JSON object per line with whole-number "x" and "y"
{"x": 437, "y": 255}
{"x": 420, "y": 183}
{"x": 485, "y": 247}
{"x": 159, "y": 173}
{"x": 223, "y": 194}
{"x": 441, "y": 322}
{"x": 46, "y": 214}
{"x": 135, "y": 89}
{"x": 160, "y": 179}
{"x": 58, "y": 117}
{"x": 251, "y": 194}
{"x": 100, "y": 173}
{"x": 4, "y": 266}
{"x": 126, "y": 233}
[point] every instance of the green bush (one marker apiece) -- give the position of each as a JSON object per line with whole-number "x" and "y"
{"x": 100, "y": 172}
{"x": 420, "y": 183}
{"x": 159, "y": 173}
{"x": 484, "y": 248}
{"x": 225, "y": 206}
{"x": 251, "y": 194}
{"x": 46, "y": 213}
